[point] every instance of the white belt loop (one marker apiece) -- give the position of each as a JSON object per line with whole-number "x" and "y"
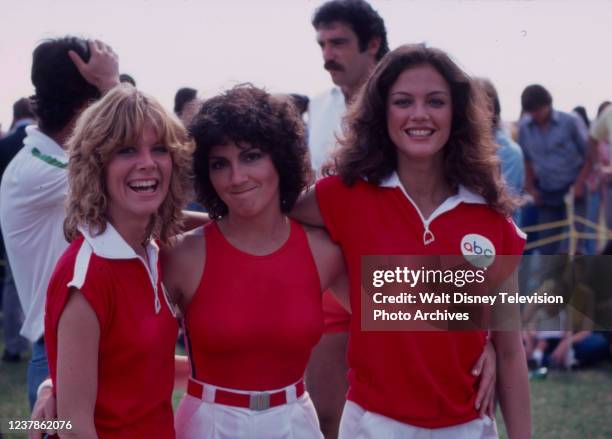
{"x": 208, "y": 393}
{"x": 290, "y": 393}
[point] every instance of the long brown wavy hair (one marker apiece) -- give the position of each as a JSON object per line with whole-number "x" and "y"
{"x": 117, "y": 120}
{"x": 366, "y": 150}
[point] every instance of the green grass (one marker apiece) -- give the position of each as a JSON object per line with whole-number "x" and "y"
{"x": 573, "y": 405}
{"x": 13, "y": 390}
{"x": 566, "y": 405}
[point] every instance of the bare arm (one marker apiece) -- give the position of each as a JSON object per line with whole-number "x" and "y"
{"x": 512, "y": 379}
{"x": 513, "y": 385}
{"x": 78, "y": 336}
{"x": 183, "y": 264}
{"x": 329, "y": 260}
{"x": 486, "y": 368}
{"x": 193, "y": 220}
{"x": 306, "y": 209}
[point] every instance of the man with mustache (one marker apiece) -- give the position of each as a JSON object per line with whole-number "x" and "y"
{"x": 353, "y": 38}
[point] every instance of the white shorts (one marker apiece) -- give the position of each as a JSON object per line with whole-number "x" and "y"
{"x": 195, "y": 418}
{"x": 357, "y": 423}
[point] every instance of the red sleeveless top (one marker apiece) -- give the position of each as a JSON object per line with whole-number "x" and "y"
{"x": 254, "y": 319}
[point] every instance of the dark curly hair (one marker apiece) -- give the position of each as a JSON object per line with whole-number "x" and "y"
{"x": 470, "y": 157}
{"x": 246, "y": 114}
{"x": 360, "y": 17}
{"x": 60, "y": 90}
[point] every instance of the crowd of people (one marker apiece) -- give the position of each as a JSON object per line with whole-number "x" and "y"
{"x": 244, "y": 218}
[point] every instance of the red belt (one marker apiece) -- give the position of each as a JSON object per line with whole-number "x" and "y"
{"x": 252, "y": 400}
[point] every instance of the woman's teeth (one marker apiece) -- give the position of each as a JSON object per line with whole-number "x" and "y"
{"x": 143, "y": 185}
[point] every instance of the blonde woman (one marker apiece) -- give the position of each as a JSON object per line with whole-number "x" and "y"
{"x": 109, "y": 327}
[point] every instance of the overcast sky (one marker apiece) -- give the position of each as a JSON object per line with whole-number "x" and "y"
{"x": 212, "y": 44}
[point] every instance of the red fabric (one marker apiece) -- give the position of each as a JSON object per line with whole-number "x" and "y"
{"x": 136, "y": 353}
{"x": 337, "y": 319}
{"x": 254, "y": 319}
{"x": 420, "y": 378}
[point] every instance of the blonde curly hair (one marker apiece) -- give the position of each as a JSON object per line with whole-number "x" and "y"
{"x": 117, "y": 120}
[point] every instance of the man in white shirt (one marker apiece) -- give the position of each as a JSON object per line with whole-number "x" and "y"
{"x": 67, "y": 73}
{"x": 14, "y": 344}
{"x": 353, "y": 38}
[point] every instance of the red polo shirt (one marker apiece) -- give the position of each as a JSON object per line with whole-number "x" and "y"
{"x": 137, "y": 333}
{"x": 420, "y": 378}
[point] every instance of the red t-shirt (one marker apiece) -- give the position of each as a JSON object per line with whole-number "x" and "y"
{"x": 137, "y": 334}
{"x": 254, "y": 320}
{"x": 420, "y": 378}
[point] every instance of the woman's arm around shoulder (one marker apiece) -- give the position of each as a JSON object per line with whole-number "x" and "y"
{"x": 183, "y": 265}
{"x": 78, "y": 341}
{"x": 329, "y": 260}
{"x": 306, "y": 209}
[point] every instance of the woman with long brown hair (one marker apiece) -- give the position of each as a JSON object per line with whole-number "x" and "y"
{"x": 418, "y": 175}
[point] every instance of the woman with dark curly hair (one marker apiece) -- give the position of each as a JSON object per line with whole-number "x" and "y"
{"x": 418, "y": 175}
{"x": 110, "y": 330}
{"x": 250, "y": 282}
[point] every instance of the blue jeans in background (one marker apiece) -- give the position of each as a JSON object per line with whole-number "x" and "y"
{"x": 38, "y": 369}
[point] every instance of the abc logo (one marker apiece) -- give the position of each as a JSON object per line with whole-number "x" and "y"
{"x": 478, "y": 250}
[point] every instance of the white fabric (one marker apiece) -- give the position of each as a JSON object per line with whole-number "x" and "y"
{"x": 32, "y": 196}
{"x": 464, "y": 195}
{"x": 325, "y": 113}
{"x": 357, "y": 423}
{"x": 111, "y": 245}
{"x": 195, "y": 418}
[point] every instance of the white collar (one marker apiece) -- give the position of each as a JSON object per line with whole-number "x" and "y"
{"x": 464, "y": 195}
{"x": 45, "y": 144}
{"x": 111, "y": 245}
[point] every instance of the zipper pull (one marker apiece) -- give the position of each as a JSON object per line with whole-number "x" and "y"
{"x": 428, "y": 237}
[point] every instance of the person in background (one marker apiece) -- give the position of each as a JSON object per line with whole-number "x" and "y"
{"x": 68, "y": 74}
{"x": 599, "y": 156}
{"x": 353, "y": 38}
{"x": 555, "y": 151}
{"x": 509, "y": 152}
{"x": 125, "y": 78}
{"x": 14, "y": 344}
{"x": 583, "y": 120}
{"x": 186, "y": 104}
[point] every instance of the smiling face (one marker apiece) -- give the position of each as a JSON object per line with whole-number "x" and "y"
{"x": 245, "y": 179}
{"x": 137, "y": 178}
{"x": 419, "y": 113}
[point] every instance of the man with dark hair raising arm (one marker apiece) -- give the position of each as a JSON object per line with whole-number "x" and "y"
{"x": 67, "y": 73}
